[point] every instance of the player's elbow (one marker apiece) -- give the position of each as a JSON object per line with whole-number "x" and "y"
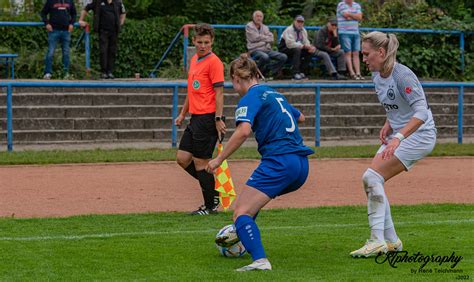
{"x": 421, "y": 111}
{"x": 243, "y": 130}
{"x": 244, "y": 134}
{"x": 422, "y": 115}
{"x": 301, "y": 118}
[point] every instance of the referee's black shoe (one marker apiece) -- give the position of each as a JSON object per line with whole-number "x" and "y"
{"x": 203, "y": 210}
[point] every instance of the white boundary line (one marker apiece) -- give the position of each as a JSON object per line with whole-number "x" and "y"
{"x": 164, "y": 232}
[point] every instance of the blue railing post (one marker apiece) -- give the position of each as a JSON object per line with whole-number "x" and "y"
{"x": 279, "y": 33}
{"x": 13, "y": 68}
{"x": 174, "y": 114}
{"x": 185, "y": 46}
{"x": 460, "y": 112}
{"x": 9, "y": 118}
{"x": 317, "y": 113}
{"x": 461, "y": 45}
{"x": 88, "y": 50}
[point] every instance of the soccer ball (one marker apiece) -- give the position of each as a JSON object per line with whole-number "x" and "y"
{"x": 234, "y": 251}
{"x": 228, "y": 243}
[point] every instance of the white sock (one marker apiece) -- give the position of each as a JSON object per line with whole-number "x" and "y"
{"x": 389, "y": 232}
{"x": 377, "y": 234}
{"x": 376, "y": 204}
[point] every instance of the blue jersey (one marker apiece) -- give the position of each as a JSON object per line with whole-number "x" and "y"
{"x": 273, "y": 121}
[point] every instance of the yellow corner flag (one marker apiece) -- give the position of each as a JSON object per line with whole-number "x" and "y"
{"x": 224, "y": 184}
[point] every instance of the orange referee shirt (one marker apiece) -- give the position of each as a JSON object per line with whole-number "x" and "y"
{"x": 205, "y": 73}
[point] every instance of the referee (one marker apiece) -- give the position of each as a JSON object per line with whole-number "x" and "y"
{"x": 205, "y": 102}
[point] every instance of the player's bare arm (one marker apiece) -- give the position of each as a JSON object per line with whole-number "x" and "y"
{"x": 385, "y": 131}
{"x": 220, "y": 125}
{"x": 182, "y": 115}
{"x": 301, "y": 118}
{"x": 411, "y": 127}
{"x": 241, "y": 133}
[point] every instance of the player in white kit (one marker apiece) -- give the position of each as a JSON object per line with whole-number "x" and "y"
{"x": 408, "y": 135}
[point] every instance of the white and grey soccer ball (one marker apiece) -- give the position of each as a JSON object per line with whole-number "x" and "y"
{"x": 228, "y": 243}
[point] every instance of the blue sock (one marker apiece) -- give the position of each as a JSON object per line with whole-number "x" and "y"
{"x": 248, "y": 233}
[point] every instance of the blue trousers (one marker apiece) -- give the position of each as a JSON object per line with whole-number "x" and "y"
{"x": 54, "y": 37}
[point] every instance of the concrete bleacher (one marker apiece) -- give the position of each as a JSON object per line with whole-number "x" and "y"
{"x": 74, "y": 115}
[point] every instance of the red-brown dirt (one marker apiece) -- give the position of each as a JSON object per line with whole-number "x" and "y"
{"x": 65, "y": 190}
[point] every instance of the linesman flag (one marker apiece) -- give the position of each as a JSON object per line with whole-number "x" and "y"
{"x": 224, "y": 184}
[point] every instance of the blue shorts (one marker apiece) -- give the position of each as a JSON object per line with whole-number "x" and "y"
{"x": 350, "y": 42}
{"x": 278, "y": 175}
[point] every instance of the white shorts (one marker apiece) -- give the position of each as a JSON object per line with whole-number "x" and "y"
{"x": 414, "y": 147}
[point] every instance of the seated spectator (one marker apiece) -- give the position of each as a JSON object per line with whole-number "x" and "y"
{"x": 327, "y": 46}
{"x": 259, "y": 45}
{"x": 295, "y": 43}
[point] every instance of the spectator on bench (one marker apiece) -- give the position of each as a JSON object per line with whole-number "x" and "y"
{"x": 62, "y": 15}
{"x": 259, "y": 45}
{"x": 328, "y": 46}
{"x": 295, "y": 44}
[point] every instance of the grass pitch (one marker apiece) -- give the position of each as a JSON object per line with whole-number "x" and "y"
{"x": 143, "y": 155}
{"x": 302, "y": 244}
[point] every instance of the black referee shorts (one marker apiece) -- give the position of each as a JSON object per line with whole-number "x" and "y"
{"x": 200, "y": 136}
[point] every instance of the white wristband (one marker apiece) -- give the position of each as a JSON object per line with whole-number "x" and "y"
{"x": 399, "y": 136}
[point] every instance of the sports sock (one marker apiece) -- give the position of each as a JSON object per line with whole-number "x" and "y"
{"x": 207, "y": 182}
{"x": 191, "y": 169}
{"x": 249, "y": 235}
{"x": 376, "y": 204}
{"x": 389, "y": 232}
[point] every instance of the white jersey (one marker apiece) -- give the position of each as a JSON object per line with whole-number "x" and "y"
{"x": 397, "y": 93}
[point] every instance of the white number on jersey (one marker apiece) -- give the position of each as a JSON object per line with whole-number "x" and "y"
{"x": 293, "y": 127}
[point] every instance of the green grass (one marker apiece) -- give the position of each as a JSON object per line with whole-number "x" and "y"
{"x": 302, "y": 244}
{"x": 137, "y": 155}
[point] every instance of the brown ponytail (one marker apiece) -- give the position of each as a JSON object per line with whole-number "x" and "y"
{"x": 244, "y": 67}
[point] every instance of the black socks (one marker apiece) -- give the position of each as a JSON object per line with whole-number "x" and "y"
{"x": 207, "y": 182}
{"x": 191, "y": 169}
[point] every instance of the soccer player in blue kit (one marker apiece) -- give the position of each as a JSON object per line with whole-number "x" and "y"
{"x": 284, "y": 164}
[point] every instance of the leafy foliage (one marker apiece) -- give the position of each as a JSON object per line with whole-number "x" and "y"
{"x": 152, "y": 24}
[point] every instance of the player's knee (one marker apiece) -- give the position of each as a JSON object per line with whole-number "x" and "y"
{"x": 239, "y": 212}
{"x": 184, "y": 163}
{"x": 371, "y": 179}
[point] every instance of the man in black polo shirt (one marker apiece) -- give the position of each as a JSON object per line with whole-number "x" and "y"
{"x": 109, "y": 16}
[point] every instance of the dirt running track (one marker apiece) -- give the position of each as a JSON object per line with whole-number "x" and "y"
{"x": 65, "y": 190}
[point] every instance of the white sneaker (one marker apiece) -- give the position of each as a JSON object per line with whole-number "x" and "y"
{"x": 260, "y": 264}
{"x": 371, "y": 248}
{"x": 395, "y": 247}
{"x": 47, "y": 76}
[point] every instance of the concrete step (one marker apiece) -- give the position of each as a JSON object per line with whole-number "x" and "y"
{"x": 90, "y": 99}
{"x": 162, "y": 98}
{"x": 89, "y": 111}
{"x": 373, "y": 131}
{"x": 89, "y": 123}
{"x": 166, "y": 122}
{"x": 137, "y": 111}
{"x": 164, "y": 135}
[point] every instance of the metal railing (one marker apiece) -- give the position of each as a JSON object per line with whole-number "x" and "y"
{"x": 86, "y": 37}
{"x": 280, "y": 28}
{"x": 175, "y": 85}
